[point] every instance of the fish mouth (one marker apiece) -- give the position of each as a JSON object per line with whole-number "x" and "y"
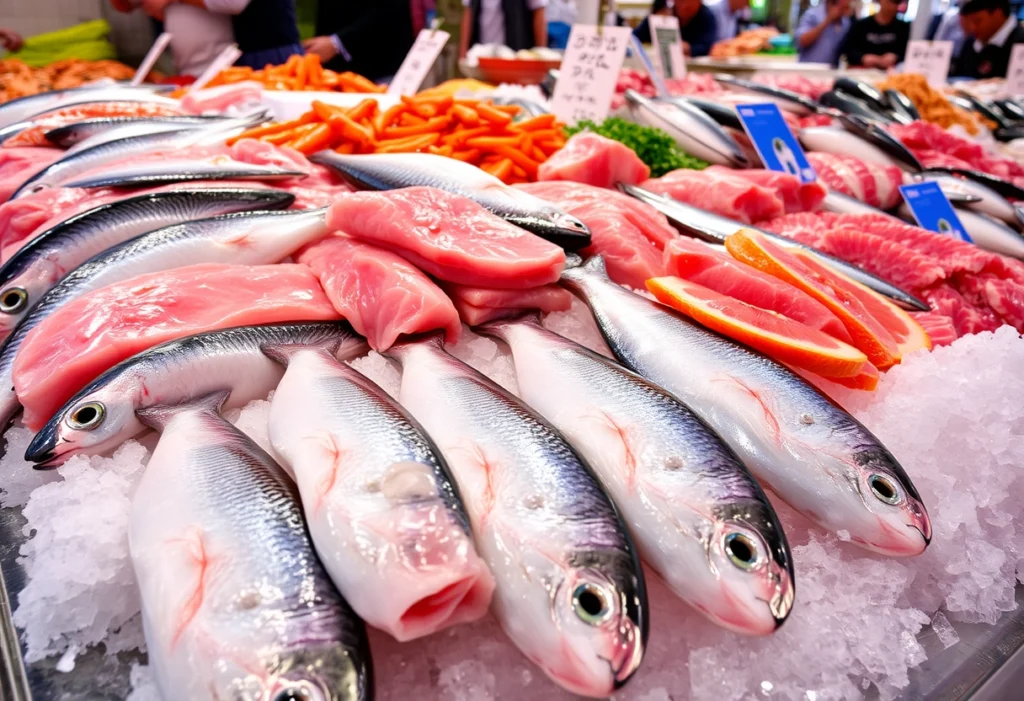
{"x": 43, "y": 449}
{"x": 630, "y": 656}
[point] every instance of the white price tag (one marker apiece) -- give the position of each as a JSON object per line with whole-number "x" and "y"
{"x": 1015, "y": 72}
{"x": 418, "y": 62}
{"x": 668, "y": 45}
{"x": 930, "y": 59}
{"x": 590, "y": 68}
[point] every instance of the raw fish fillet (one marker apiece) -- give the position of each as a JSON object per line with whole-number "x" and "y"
{"x": 938, "y": 159}
{"x": 697, "y": 262}
{"x": 378, "y": 292}
{"x": 727, "y": 195}
{"x": 18, "y": 164}
{"x": 473, "y": 315}
{"x": 796, "y": 196}
{"x": 97, "y": 331}
{"x": 221, "y": 97}
{"x": 939, "y": 327}
{"x": 448, "y": 236}
{"x": 594, "y": 160}
{"x": 967, "y": 319}
{"x": 920, "y": 136}
{"x": 20, "y": 219}
{"x": 871, "y": 183}
{"x": 630, "y": 238}
{"x": 35, "y": 135}
{"x": 548, "y": 298}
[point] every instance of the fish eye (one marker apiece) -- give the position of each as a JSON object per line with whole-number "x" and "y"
{"x": 742, "y": 551}
{"x": 884, "y": 489}
{"x": 13, "y": 300}
{"x": 591, "y": 603}
{"x": 86, "y": 416}
{"x": 296, "y": 692}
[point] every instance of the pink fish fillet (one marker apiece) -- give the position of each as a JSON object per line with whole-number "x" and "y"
{"x": 449, "y": 237}
{"x": 93, "y": 333}
{"x": 871, "y": 183}
{"x": 594, "y": 160}
{"x": 697, "y": 262}
{"x": 796, "y": 196}
{"x": 724, "y": 194}
{"x": 939, "y": 327}
{"x": 19, "y": 163}
{"x": 380, "y": 294}
{"x": 477, "y": 305}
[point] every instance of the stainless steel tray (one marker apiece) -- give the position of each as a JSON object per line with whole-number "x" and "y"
{"x": 987, "y": 664}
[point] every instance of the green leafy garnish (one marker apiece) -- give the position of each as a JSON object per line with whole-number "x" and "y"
{"x": 654, "y": 147}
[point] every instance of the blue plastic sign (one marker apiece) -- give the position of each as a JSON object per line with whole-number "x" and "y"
{"x": 775, "y": 143}
{"x": 932, "y": 210}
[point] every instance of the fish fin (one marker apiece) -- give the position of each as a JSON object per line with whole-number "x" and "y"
{"x": 398, "y": 350}
{"x": 284, "y": 352}
{"x": 594, "y": 266}
{"x": 573, "y": 260}
{"x": 159, "y": 416}
{"x": 498, "y": 327}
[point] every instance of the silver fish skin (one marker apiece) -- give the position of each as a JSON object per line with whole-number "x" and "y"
{"x": 382, "y": 507}
{"x": 399, "y": 170}
{"x": 245, "y": 238}
{"x": 73, "y": 134}
{"x": 901, "y": 104}
{"x": 12, "y": 130}
{"x": 795, "y": 440}
{"x": 986, "y": 232}
{"x": 785, "y": 99}
{"x": 840, "y": 141}
{"x": 121, "y": 144}
{"x": 23, "y": 108}
{"x": 235, "y": 603}
{"x": 840, "y": 203}
{"x": 49, "y": 256}
{"x": 138, "y": 175}
{"x": 713, "y": 228}
{"x": 569, "y": 590}
{"x": 987, "y": 201}
{"x": 101, "y": 416}
{"x": 698, "y": 517}
{"x": 694, "y": 131}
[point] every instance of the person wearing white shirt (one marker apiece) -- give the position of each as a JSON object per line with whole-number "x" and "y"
{"x": 517, "y": 24}
{"x": 995, "y": 33}
{"x": 728, "y": 14}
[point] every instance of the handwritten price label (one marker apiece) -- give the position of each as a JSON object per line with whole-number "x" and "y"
{"x": 1015, "y": 72}
{"x": 590, "y": 67}
{"x": 418, "y": 62}
{"x": 930, "y": 59}
{"x": 668, "y": 45}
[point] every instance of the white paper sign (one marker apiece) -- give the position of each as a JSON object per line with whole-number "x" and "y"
{"x": 668, "y": 45}
{"x": 418, "y": 62}
{"x": 590, "y": 69}
{"x": 1015, "y": 72}
{"x": 930, "y": 59}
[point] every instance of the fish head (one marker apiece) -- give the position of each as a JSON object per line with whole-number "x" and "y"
{"x": 323, "y": 672}
{"x": 21, "y": 289}
{"x": 599, "y": 608}
{"x": 753, "y": 569}
{"x": 100, "y": 417}
{"x": 894, "y": 520}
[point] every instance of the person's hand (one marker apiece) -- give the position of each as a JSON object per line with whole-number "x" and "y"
{"x": 10, "y": 39}
{"x": 870, "y": 61}
{"x": 686, "y": 48}
{"x": 322, "y": 47}
{"x": 887, "y": 60}
{"x": 155, "y": 8}
{"x": 835, "y": 13}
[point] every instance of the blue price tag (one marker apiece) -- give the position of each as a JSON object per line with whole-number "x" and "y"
{"x": 775, "y": 143}
{"x": 932, "y": 210}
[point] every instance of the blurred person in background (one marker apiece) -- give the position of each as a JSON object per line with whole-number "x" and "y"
{"x": 10, "y": 39}
{"x": 517, "y": 24}
{"x": 369, "y": 37}
{"x": 878, "y": 41}
{"x": 197, "y": 34}
{"x": 821, "y": 31}
{"x": 949, "y": 27}
{"x": 696, "y": 24}
{"x": 995, "y": 32}
{"x": 728, "y": 14}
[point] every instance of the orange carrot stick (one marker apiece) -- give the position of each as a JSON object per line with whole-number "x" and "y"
{"x": 466, "y": 115}
{"x": 488, "y": 113}
{"x": 259, "y": 132}
{"x": 543, "y": 121}
{"x": 317, "y": 139}
{"x": 431, "y": 125}
{"x": 386, "y": 118}
{"x": 366, "y": 108}
{"x": 493, "y": 142}
{"x": 408, "y": 145}
{"x": 528, "y": 165}
{"x": 347, "y": 148}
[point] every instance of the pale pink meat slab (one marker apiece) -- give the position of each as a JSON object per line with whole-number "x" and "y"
{"x": 796, "y": 196}
{"x": 594, "y": 160}
{"x": 871, "y": 183}
{"x": 926, "y": 136}
{"x": 18, "y": 164}
{"x": 474, "y": 315}
{"x": 93, "y": 333}
{"x": 725, "y": 194}
{"x": 449, "y": 237}
{"x": 378, "y": 292}
{"x": 547, "y": 298}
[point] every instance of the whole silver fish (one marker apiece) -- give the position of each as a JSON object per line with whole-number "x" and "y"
{"x": 852, "y": 105}
{"x": 49, "y": 256}
{"x": 73, "y": 134}
{"x": 382, "y": 507}
{"x": 398, "y": 170}
{"x": 246, "y": 238}
{"x": 698, "y": 517}
{"x": 714, "y": 228}
{"x": 986, "y": 200}
{"x": 235, "y": 603}
{"x": 22, "y": 108}
{"x": 12, "y": 130}
{"x": 101, "y": 416}
{"x": 901, "y": 104}
{"x": 840, "y": 141}
{"x": 795, "y": 440}
{"x": 569, "y": 590}
{"x": 694, "y": 131}
{"x": 985, "y": 231}
{"x": 128, "y": 141}
{"x": 166, "y": 172}
{"x": 786, "y": 99}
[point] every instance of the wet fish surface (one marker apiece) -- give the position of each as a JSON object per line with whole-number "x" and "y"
{"x": 235, "y": 603}
{"x": 138, "y": 175}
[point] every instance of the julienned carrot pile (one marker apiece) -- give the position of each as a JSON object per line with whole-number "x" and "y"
{"x": 298, "y": 73}
{"x": 474, "y": 131}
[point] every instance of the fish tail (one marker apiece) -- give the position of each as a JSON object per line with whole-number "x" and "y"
{"x": 285, "y": 351}
{"x": 398, "y": 351}
{"x": 159, "y": 416}
{"x": 593, "y": 267}
{"x": 499, "y": 328}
